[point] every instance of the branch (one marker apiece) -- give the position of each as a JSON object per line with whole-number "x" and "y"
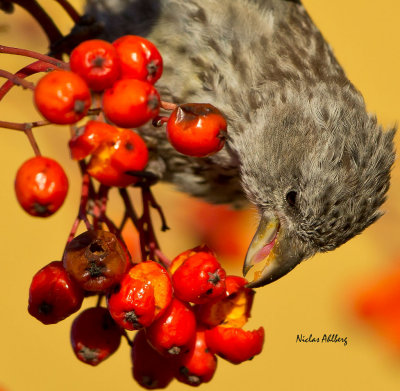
{"x": 70, "y": 10}
{"x": 17, "y": 80}
{"x": 30, "y": 53}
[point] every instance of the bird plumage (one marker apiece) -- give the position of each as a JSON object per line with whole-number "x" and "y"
{"x": 296, "y": 123}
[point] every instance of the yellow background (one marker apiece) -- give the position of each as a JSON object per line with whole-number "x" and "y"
{"x": 315, "y": 298}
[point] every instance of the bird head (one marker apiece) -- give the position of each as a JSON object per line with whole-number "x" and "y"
{"x": 317, "y": 174}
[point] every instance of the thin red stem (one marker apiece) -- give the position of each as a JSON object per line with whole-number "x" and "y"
{"x": 69, "y": 9}
{"x": 23, "y": 126}
{"x": 32, "y": 141}
{"x": 30, "y": 53}
{"x": 16, "y": 80}
{"x": 35, "y": 67}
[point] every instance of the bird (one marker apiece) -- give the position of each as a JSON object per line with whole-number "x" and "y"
{"x": 302, "y": 147}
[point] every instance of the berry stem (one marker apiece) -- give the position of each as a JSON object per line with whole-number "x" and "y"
{"x": 32, "y": 141}
{"x": 159, "y": 121}
{"x": 69, "y": 9}
{"x": 17, "y": 80}
{"x": 41, "y": 16}
{"x": 125, "y": 334}
{"x": 35, "y": 67}
{"x": 156, "y": 206}
{"x": 24, "y": 126}
{"x": 168, "y": 105}
{"x": 30, "y": 53}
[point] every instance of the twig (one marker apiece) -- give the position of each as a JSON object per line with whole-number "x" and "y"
{"x": 17, "y": 80}
{"x": 157, "y": 207}
{"x": 37, "y": 12}
{"x": 70, "y": 10}
{"x": 23, "y": 126}
{"x": 30, "y": 53}
{"x": 31, "y": 69}
{"x": 32, "y": 141}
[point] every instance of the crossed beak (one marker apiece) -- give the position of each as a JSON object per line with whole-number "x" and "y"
{"x": 271, "y": 254}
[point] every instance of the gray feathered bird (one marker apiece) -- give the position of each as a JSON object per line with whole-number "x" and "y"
{"x": 301, "y": 147}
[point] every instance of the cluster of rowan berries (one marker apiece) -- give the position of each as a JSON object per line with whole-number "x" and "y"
{"x": 185, "y": 315}
{"x": 186, "y": 311}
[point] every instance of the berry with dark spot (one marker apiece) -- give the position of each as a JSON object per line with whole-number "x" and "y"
{"x": 94, "y": 335}
{"x": 97, "y": 62}
{"x": 53, "y": 295}
{"x": 41, "y": 186}
{"x": 62, "y": 97}
{"x": 95, "y": 260}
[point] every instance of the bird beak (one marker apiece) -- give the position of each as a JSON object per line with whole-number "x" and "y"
{"x": 270, "y": 255}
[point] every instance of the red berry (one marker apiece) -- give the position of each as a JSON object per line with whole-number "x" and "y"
{"x": 94, "y": 335}
{"x": 62, "y": 97}
{"x": 89, "y": 137}
{"x": 154, "y": 274}
{"x": 149, "y": 368}
{"x": 132, "y": 303}
{"x": 131, "y": 103}
{"x": 199, "y": 365}
{"x": 197, "y": 129}
{"x": 199, "y": 279}
{"x": 139, "y": 58}
{"x": 95, "y": 260}
{"x": 41, "y": 186}
{"x": 232, "y": 309}
{"x": 125, "y": 152}
{"x": 53, "y": 295}
{"x": 97, "y": 62}
{"x": 235, "y": 344}
{"x": 174, "y": 332}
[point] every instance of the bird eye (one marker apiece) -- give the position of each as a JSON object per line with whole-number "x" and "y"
{"x": 291, "y": 198}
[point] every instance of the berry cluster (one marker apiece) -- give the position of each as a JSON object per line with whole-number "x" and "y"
{"x": 184, "y": 312}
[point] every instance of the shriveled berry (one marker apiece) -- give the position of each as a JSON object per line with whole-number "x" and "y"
{"x": 149, "y": 368}
{"x": 95, "y": 260}
{"x": 199, "y": 279}
{"x": 41, "y": 186}
{"x": 131, "y": 103}
{"x": 199, "y": 365}
{"x": 235, "y": 344}
{"x": 132, "y": 304}
{"x": 94, "y": 335}
{"x": 173, "y": 333}
{"x": 125, "y": 152}
{"x": 140, "y": 59}
{"x": 97, "y": 62}
{"x": 53, "y": 295}
{"x": 197, "y": 129}
{"x": 62, "y": 97}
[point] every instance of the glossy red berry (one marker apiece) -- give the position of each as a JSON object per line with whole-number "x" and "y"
{"x": 95, "y": 260}
{"x": 140, "y": 59}
{"x": 149, "y": 368}
{"x": 199, "y": 279}
{"x": 199, "y": 365}
{"x": 97, "y": 62}
{"x": 89, "y": 137}
{"x": 132, "y": 303}
{"x": 53, "y": 295}
{"x": 197, "y": 129}
{"x": 152, "y": 273}
{"x": 131, "y": 103}
{"x": 62, "y": 97}
{"x": 235, "y": 344}
{"x": 41, "y": 186}
{"x": 173, "y": 333}
{"x": 94, "y": 335}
